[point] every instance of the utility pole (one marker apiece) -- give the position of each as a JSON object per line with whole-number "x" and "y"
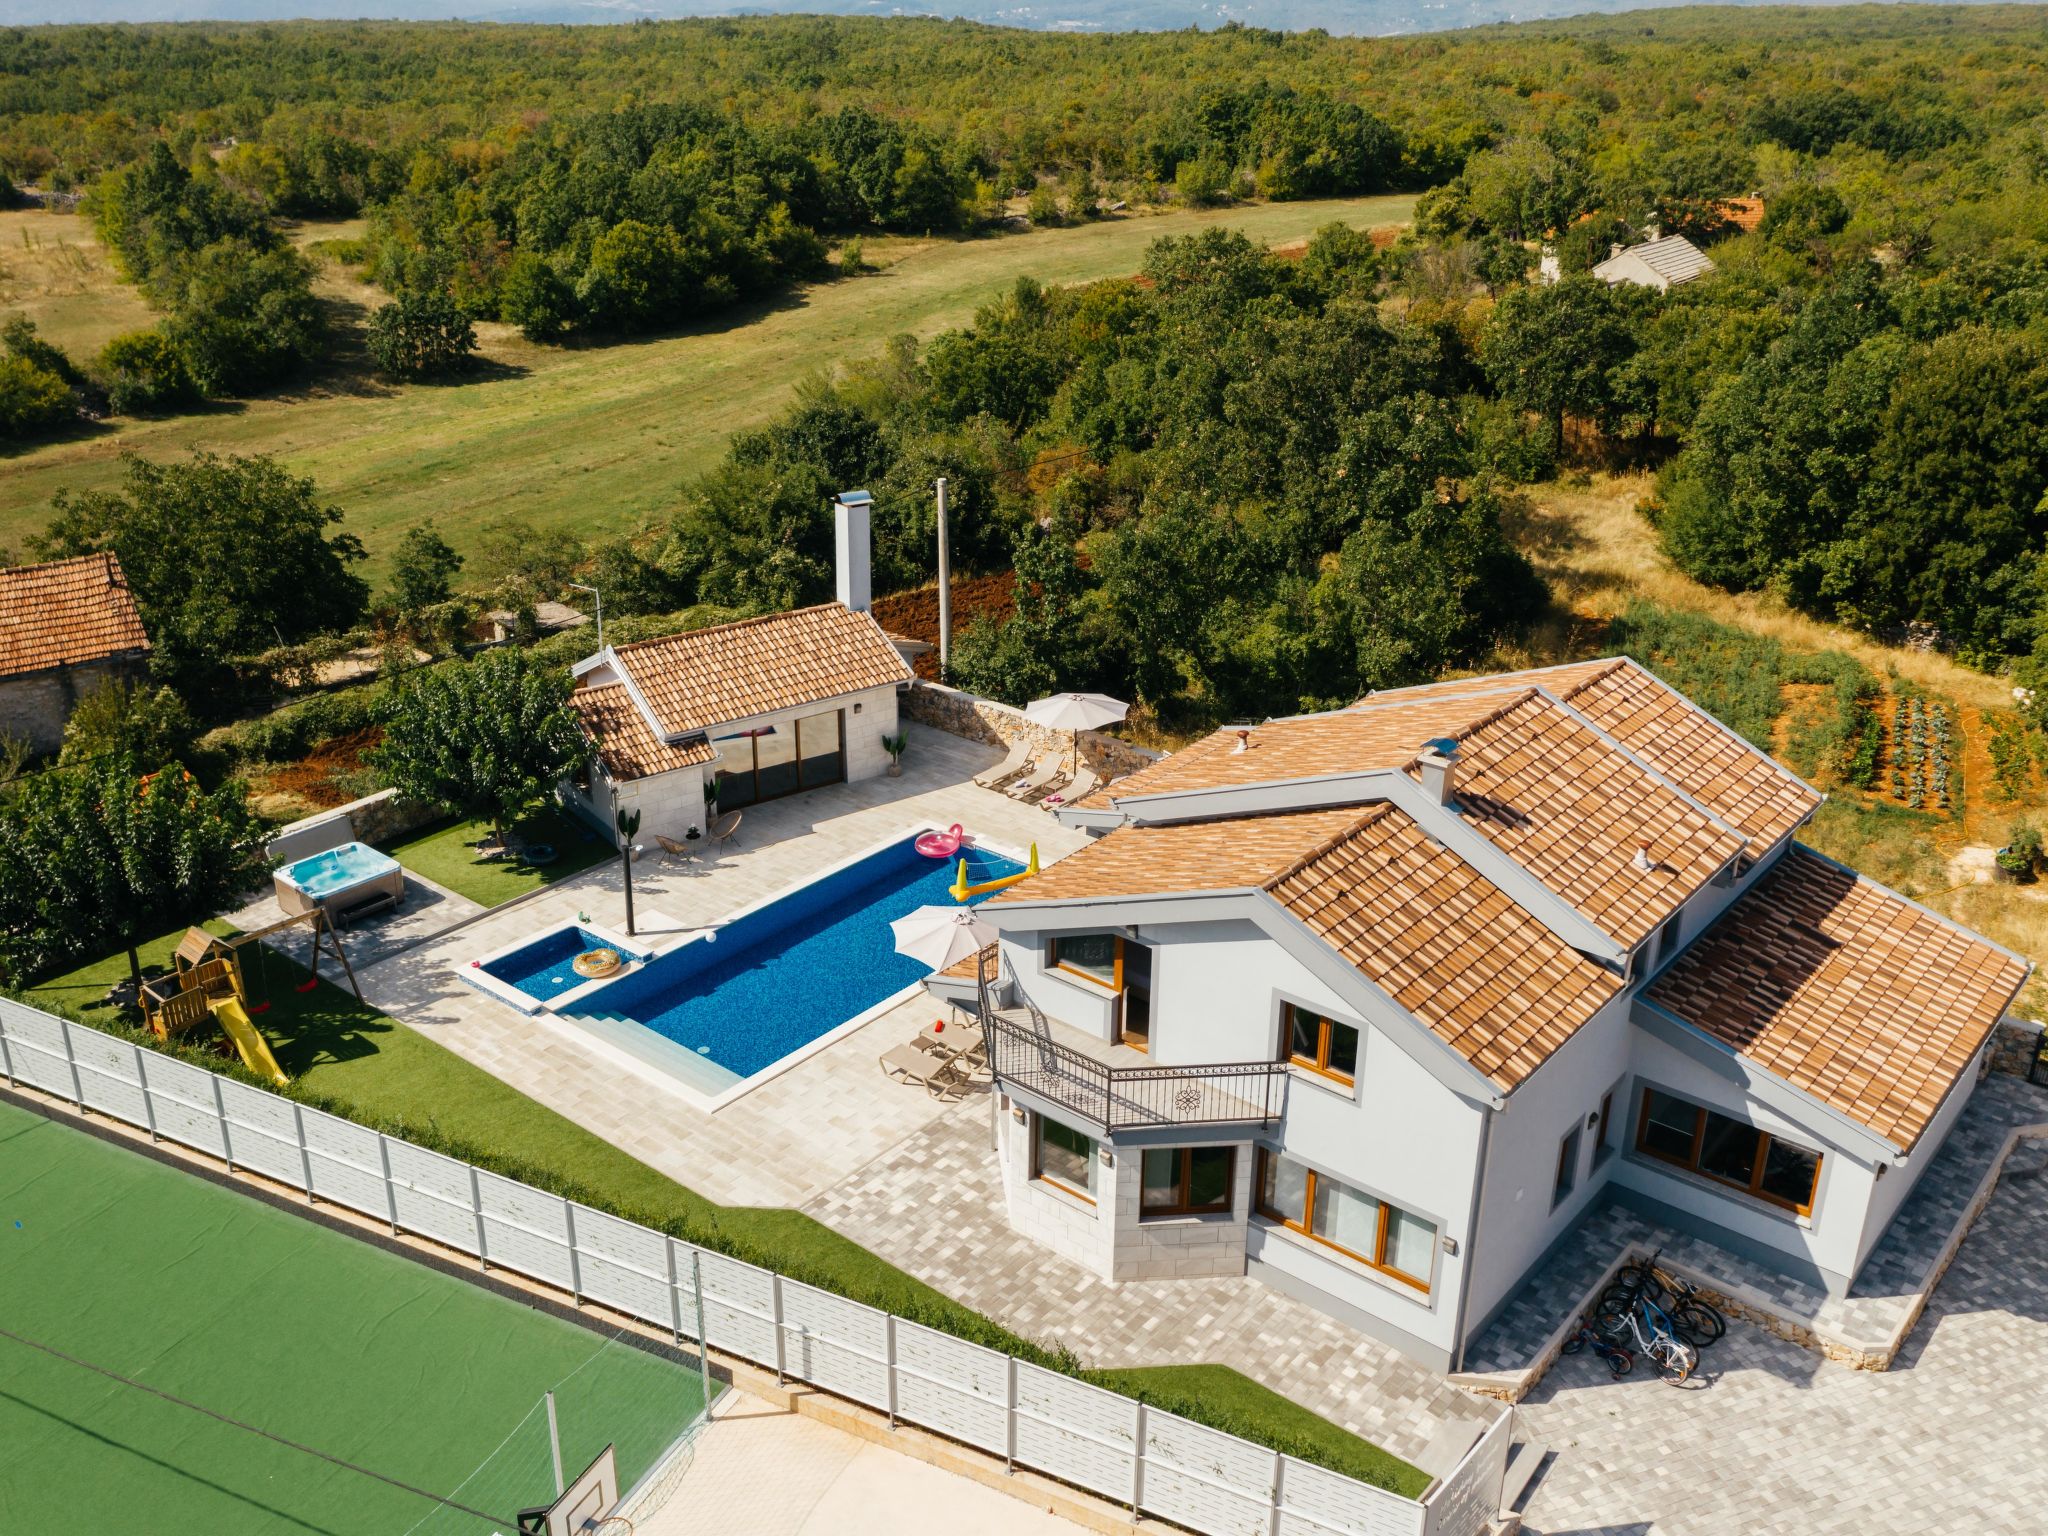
{"x": 580, "y": 587}
{"x": 945, "y": 586}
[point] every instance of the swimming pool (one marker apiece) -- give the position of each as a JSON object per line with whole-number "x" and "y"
{"x": 719, "y": 1009}
{"x": 545, "y": 969}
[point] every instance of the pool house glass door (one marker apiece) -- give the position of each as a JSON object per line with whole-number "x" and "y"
{"x": 778, "y": 760}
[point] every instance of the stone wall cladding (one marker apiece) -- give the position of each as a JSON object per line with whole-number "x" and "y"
{"x": 36, "y": 706}
{"x": 1178, "y": 1247}
{"x": 979, "y": 719}
{"x": 2014, "y": 1046}
{"x": 1066, "y": 1224}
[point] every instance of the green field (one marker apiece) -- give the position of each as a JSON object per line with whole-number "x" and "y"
{"x": 268, "y": 1318}
{"x": 599, "y": 438}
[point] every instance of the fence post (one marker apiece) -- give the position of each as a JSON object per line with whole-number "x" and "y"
{"x": 1278, "y": 1492}
{"x": 1010, "y": 1414}
{"x": 575, "y": 1264}
{"x": 142, "y": 1082}
{"x": 305, "y": 1157}
{"x": 1138, "y": 1463}
{"x": 476, "y": 1209}
{"x": 889, "y": 1353}
{"x": 6, "y": 1055}
{"x": 703, "y": 1339}
{"x": 390, "y": 1187}
{"x": 675, "y": 1301}
{"x": 71, "y": 1061}
{"x": 220, "y": 1113}
{"x": 781, "y": 1348}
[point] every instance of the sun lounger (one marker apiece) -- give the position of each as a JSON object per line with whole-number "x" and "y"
{"x": 1042, "y": 773}
{"x": 1085, "y": 784}
{"x": 908, "y": 1064}
{"x": 989, "y": 778}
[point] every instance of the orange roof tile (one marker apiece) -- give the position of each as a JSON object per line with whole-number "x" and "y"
{"x": 710, "y": 677}
{"x": 1846, "y": 990}
{"x": 1182, "y": 856}
{"x": 66, "y": 612}
{"x": 1556, "y": 797}
{"x": 626, "y": 745}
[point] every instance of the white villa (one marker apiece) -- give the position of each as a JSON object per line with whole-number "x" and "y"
{"x": 1372, "y": 1004}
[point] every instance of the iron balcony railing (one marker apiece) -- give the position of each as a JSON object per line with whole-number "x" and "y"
{"x": 1023, "y": 1054}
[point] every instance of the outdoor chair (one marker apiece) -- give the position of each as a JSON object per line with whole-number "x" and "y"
{"x": 1085, "y": 783}
{"x": 725, "y": 830}
{"x": 674, "y": 852}
{"x": 940, "y": 1076}
{"x": 1008, "y": 768}
{"x": 1042, "y": 773}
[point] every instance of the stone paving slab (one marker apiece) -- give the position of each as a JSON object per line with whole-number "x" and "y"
{"x": 933, "y": 1205}
{"x": 1771, "y": 1440}
{"x": 428, "y": 909}
{"x": 1867, "y": 1324}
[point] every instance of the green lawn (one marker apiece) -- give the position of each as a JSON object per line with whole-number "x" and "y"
{"x": 446, "y": 855}
{"x": 598, "y": 438}
{"x": 372, "y": 1068}
{"x": 307, "y": 1333}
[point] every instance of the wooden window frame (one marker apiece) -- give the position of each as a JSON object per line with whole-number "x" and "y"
{"x": 1052, "y": 959}
{"x": 1754, "y": 1189}
{"x": 1053, "y": 1181}
{"x": 1320, "y": 1065}
{"x": 1181, "y": 1206}
{"x": 1571, "y": 1152}
{"x": 1602, "y": 1147}
{"x": 1308, "y": 1211}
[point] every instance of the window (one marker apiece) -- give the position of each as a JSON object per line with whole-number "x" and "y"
{"x": 1097, "y": 956}
{"x": 1567, "y": 1167}
{"x": 1321, "y": 1044}
{"x": 775, "y": 760}
{"x": 1724, "y": 1149}
{"x": 1603, "y": 1142}
{"x": 1062, "y": 1155}
{"x": 1187, "y": 1181}
{"x": 1356, "y": 1224}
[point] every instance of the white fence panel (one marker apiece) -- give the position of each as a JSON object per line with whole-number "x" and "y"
{"x": 954, "y": 1387}
{"x": 432, "y": 1194}
{"x": 182, "y": 1097}
{"x": 262, "y": 1131}
{"x": 1315, "y": 1501}
{"x": 739, "y": 1304}
{"x": 837, "y": 1344}
{"x": 35, "y": 1049}
{"x": 1467, "y": 1501}
{"x": 526, "y": 1230}
{"x": 1206, "y": 1480}
{"x": 347, "y": 1168}
{"x": 626, "y": 1266}
{"x": 1080, "y": 1434}
{"x": 106, "y": 1075}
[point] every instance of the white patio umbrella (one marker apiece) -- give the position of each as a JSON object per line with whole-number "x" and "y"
{"x": 941, "y": 936}
{"x": 1076, "y": 712}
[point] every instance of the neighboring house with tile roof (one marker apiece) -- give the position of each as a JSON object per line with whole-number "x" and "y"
{"x": 1374, "y": 1003}
{"x": 66, "y": 628}
{"x": 1661, "y": 263}
{"x": 755, "y": 710}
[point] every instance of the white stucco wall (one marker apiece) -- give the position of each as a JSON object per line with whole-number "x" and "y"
{"x": 1894, "y": 1184}
{"x": 870, "y": 715}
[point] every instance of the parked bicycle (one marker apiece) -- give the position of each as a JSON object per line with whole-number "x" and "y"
{"x": 1694, "y": 1319}
{"x": 1619, "y": 1360}
{"x": 1648, "y": 1327}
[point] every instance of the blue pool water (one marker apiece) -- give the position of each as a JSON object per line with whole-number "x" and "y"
{"x": 544, "y": 968}
{"x": 776, "y": 979}
{"x": 338, "y": 868}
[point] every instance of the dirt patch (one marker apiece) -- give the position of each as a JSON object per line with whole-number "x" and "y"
{"x": 327, "y": 776}
{"x": 915, "y": 614}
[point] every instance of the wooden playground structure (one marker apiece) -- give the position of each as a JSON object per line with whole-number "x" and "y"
{"x": 206, "y": 984}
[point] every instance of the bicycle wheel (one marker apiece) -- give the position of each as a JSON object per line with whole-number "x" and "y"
{"x": 1575, "y": 1343}
{"x": 1697, "y": 1324}
{"x": 1674, "y": 1360}
{"x": 1619, "y": 1361}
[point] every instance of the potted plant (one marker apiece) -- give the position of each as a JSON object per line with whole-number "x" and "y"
{"x": 894, "y": 745}
{"x": 2016, "y": 860}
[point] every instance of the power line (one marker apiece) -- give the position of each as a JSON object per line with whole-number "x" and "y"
{"x": 142, "y": 1386}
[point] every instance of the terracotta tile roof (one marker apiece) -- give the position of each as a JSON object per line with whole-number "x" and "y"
{"x": 1445, "y": 943}
{"x": 66, "y": 612}
{"x": 1346, "y": 741}
{"x": 710, "y": 677}
{"x": 1182, "y": 856}
{"x": 1556, "y": 798}
{"x": 1846, "y": 990}
{"x": 626, "y": 745}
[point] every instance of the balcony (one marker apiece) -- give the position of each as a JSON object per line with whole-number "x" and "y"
{"x": 1113, "y": 1096}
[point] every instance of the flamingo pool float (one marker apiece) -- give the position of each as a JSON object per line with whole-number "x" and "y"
{"x": 940, "y": 845}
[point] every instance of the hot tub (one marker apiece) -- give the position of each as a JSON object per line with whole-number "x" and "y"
{"x": 339, "y": 879}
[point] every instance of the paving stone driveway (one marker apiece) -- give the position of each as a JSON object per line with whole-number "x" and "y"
{"x": 1778, "y": 1442}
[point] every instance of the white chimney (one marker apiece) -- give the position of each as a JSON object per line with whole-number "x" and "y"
{"x": 1642, "y": 861}
{"x": 854, "y": 547}
{"x": 1439, "y": 767}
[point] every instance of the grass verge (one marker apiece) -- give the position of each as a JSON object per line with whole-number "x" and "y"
{"x": 446, "y": 855}
{"x": 348, "y": 1059}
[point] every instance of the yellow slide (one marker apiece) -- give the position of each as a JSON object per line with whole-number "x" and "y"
{"x": 248, "y": 1039}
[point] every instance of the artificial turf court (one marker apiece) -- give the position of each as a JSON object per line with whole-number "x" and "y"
{"x": 280, "y": 1322}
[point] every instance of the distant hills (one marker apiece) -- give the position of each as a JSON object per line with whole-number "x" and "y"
{"x": 1354, "y": 17}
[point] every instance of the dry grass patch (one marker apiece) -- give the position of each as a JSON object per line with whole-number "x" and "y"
{"x": 54, "y": 270}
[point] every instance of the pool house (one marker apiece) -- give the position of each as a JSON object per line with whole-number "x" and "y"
{"x": 691, "y": 726}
